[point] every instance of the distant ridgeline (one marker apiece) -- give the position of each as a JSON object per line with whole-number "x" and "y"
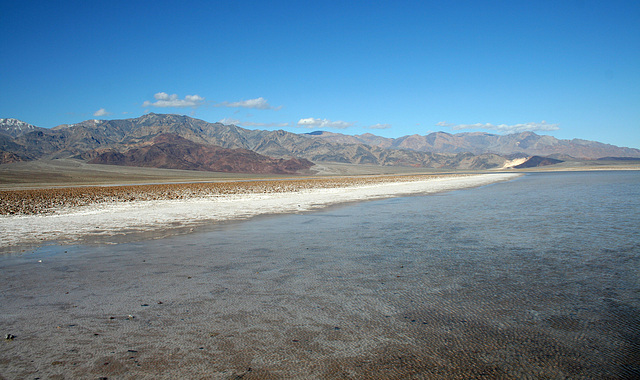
{"x": 176, "y": 141}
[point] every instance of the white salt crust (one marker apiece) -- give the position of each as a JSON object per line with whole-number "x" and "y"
{"x": 115, "y": 218}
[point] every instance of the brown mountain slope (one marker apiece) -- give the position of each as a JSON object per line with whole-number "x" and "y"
{"x": 9, "y": 157}
{"x": 170, "y": 151}
{"x": 524, "y": 143}
{"x": 436, "y": 150}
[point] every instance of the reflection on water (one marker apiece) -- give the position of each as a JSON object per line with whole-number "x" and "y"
{"x": 537, "y": 277}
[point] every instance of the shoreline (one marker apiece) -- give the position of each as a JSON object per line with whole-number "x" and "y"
{"x": 437, "y": 286}
{"x": 67, "y": 215}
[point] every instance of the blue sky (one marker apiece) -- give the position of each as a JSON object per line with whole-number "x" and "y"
{"x": 570, "y": 69}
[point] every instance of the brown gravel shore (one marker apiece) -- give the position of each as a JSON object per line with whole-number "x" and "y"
{"x": 46, "y": 201}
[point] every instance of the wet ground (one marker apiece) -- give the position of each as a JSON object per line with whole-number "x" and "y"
{"x": 468, "y": 284}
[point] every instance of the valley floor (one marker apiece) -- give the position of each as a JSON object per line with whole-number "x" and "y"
{"x": 117, "y": 213}
{"x": 516, "y": 280}
{"x": 70, "y": 172}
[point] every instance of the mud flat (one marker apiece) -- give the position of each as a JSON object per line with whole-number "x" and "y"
{"x": 436, "y": 287}
{"x": 104, "y": 213}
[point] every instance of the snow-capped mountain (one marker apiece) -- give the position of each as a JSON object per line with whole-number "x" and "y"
{"x": 15, "y": 127}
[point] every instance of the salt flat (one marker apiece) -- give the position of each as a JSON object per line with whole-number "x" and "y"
{"x": 115, "y": 219}
{"x": 519, "y": 279}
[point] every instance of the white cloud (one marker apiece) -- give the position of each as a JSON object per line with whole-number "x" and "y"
{"x": 165, "y": 100}
{"x": 503, "y": 128}
{"x": 311, "y": 122}
{"x": 379, "y": 126}
{"x": 228, "y": 120}
{"x": 257, "y": 103}
{"x": 101, "y": 112}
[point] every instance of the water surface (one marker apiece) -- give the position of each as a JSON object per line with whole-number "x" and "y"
{"x": 536, "y": 277}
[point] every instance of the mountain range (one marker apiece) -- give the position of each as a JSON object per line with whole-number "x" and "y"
{"x": 169, "y": 151}
{"x": 179, "y": 141}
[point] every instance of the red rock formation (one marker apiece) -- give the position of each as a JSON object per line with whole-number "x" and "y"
{"x": 170, "y": 151}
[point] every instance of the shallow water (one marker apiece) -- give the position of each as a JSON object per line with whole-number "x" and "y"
{"x": 536, "y": 277}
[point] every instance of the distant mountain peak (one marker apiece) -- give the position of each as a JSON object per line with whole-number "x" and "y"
{"x": 14, "y": 127}
{"x": 437, "y": 149}
{"x": 13, "y": 122}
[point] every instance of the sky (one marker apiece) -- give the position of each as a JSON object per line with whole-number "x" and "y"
{"x": 569, "y": 69}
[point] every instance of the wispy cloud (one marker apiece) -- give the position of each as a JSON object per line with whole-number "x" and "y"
{"x": 504, "y": 128}
{"x": 228, "y": 120}
{"x": 311, "y": 122}
{"x": 101, "y": 112}
{"x": 379, "y": 126}
{"x": 257, "y": 103}
{"x": 165, "y": 100}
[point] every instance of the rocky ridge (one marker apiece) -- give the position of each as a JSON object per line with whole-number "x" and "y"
{"x": 14, "y": 127}
{"x": 170, "y": 151}
{"x": 476, "y": 150}
{"x": 524, "y": 143}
